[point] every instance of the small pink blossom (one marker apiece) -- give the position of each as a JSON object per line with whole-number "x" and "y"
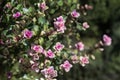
{"x": 88, "y": 7}
{"x": 31, "y": 52}
{"x": 27, "y": 33}
{"x": 50, "y": 54}
{"x": 42, "y": 6}
{"x": 8, "y": 5}
{"x": 38, "y": 48}
{"x": 85, "y": 25}
{"x": 35, "y": 57}
{"x": 35, "y": 67}
{"x": 9, "y": 75}
{"x": 74, "y": 59}
{"x": 80, "y": 46}
{"x": 107, "y": 40}
{"x": 1, "y": 41}
{"x": 16, "y": 15}
{"x": 49, "y": 72}
{"x": 21, "y": 60}
{"x": 84, "y": 60}
{"x": 66, "y": 66}
{"x": 58, "y": 46}
{"x": 59, "y": 24}
{"x": 60, "y": 19}
{"x": 75, "y": 14}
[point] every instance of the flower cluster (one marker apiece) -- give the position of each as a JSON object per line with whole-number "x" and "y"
{"x": 58, "y": 46}
{"x": 50, "y": 54}
{"x": 16, "y": 15}
{"x": 84, "y": 60}
{"x": 49, "y": 72}
{"x": 59, "y": 24}
{"x": 75, "y": 59}
{"x": 107, "y": 40}
{"x": 27, "y": 34}
{"x": 80, "y": 46}
{"x": 66, "y": 66}
{"x": 48, "y": 38}
{"x": 85, "y": 25}
{"x": 75, "y": 14}
{"x": 42, "y": 6}
{"x": 38, "y": 48}
{"x": 34, "y": 66}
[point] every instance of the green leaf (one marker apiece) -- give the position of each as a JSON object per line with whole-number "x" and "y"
{"x": 31, "y": 9}
{"x": 9, "y": 36}
{"x": 52, "y": 11}
{"x": 48, "y": 44}
{"x": 5, "y": 32}
{"x": 19, "y": 7}
{"x": 41, "y": 20}
{"x": 79, "y": 27}
{"x": 8, "y": 17}
{"x": 60, "y": 3}
{"x": 72, "y": 7}
{"x": 24, "y": 43}
{"x": 75, "y": 1}
{"x": 41, "y": 41}
{"x": 51, "y": 37}
{"x": 69, "y": 2}
{"x": 45, "y": 27}
{"x": 35, "y": 29}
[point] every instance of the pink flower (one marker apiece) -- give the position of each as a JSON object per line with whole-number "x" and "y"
{"x": 9, "y": 75}
{"x": 35, "y": 57}
{"x": 107, "y": 40}
{"x": 27, "y": 33}
{"x": 30, "y": 52}
{"x": 21, "y": 60}
{"x": 74, "y": 58}
{"x": 84, "y": 60}
{"x": 1, "y": 41}
{"x": 50, "y": 54}
{"x": 49, "y": 72}
{"x": 60, "y": 24}
{"x": 60, "y": 19}
{"x": 80, "y": 46}
{"x": 85, "y": 25}
{"x": 35, "y": 67}
{"x": 42, "y": 6}
{"x": 58, "y": 46}
{"x": 8, "y": 5}
{"x": 88, "y": 7}
{"x": 66, "y": 66}
{"x": 38, "y": 48}
{"x": 75, "y": 14}
{"x": 16, "y": 15}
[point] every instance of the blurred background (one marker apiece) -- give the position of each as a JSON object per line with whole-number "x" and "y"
{"x": 104, "y": 18}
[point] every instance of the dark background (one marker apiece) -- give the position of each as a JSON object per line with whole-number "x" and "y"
{"x": 104, "y": 19}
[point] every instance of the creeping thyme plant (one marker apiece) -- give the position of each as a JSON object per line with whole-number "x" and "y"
{"x": 40, "y": 39}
